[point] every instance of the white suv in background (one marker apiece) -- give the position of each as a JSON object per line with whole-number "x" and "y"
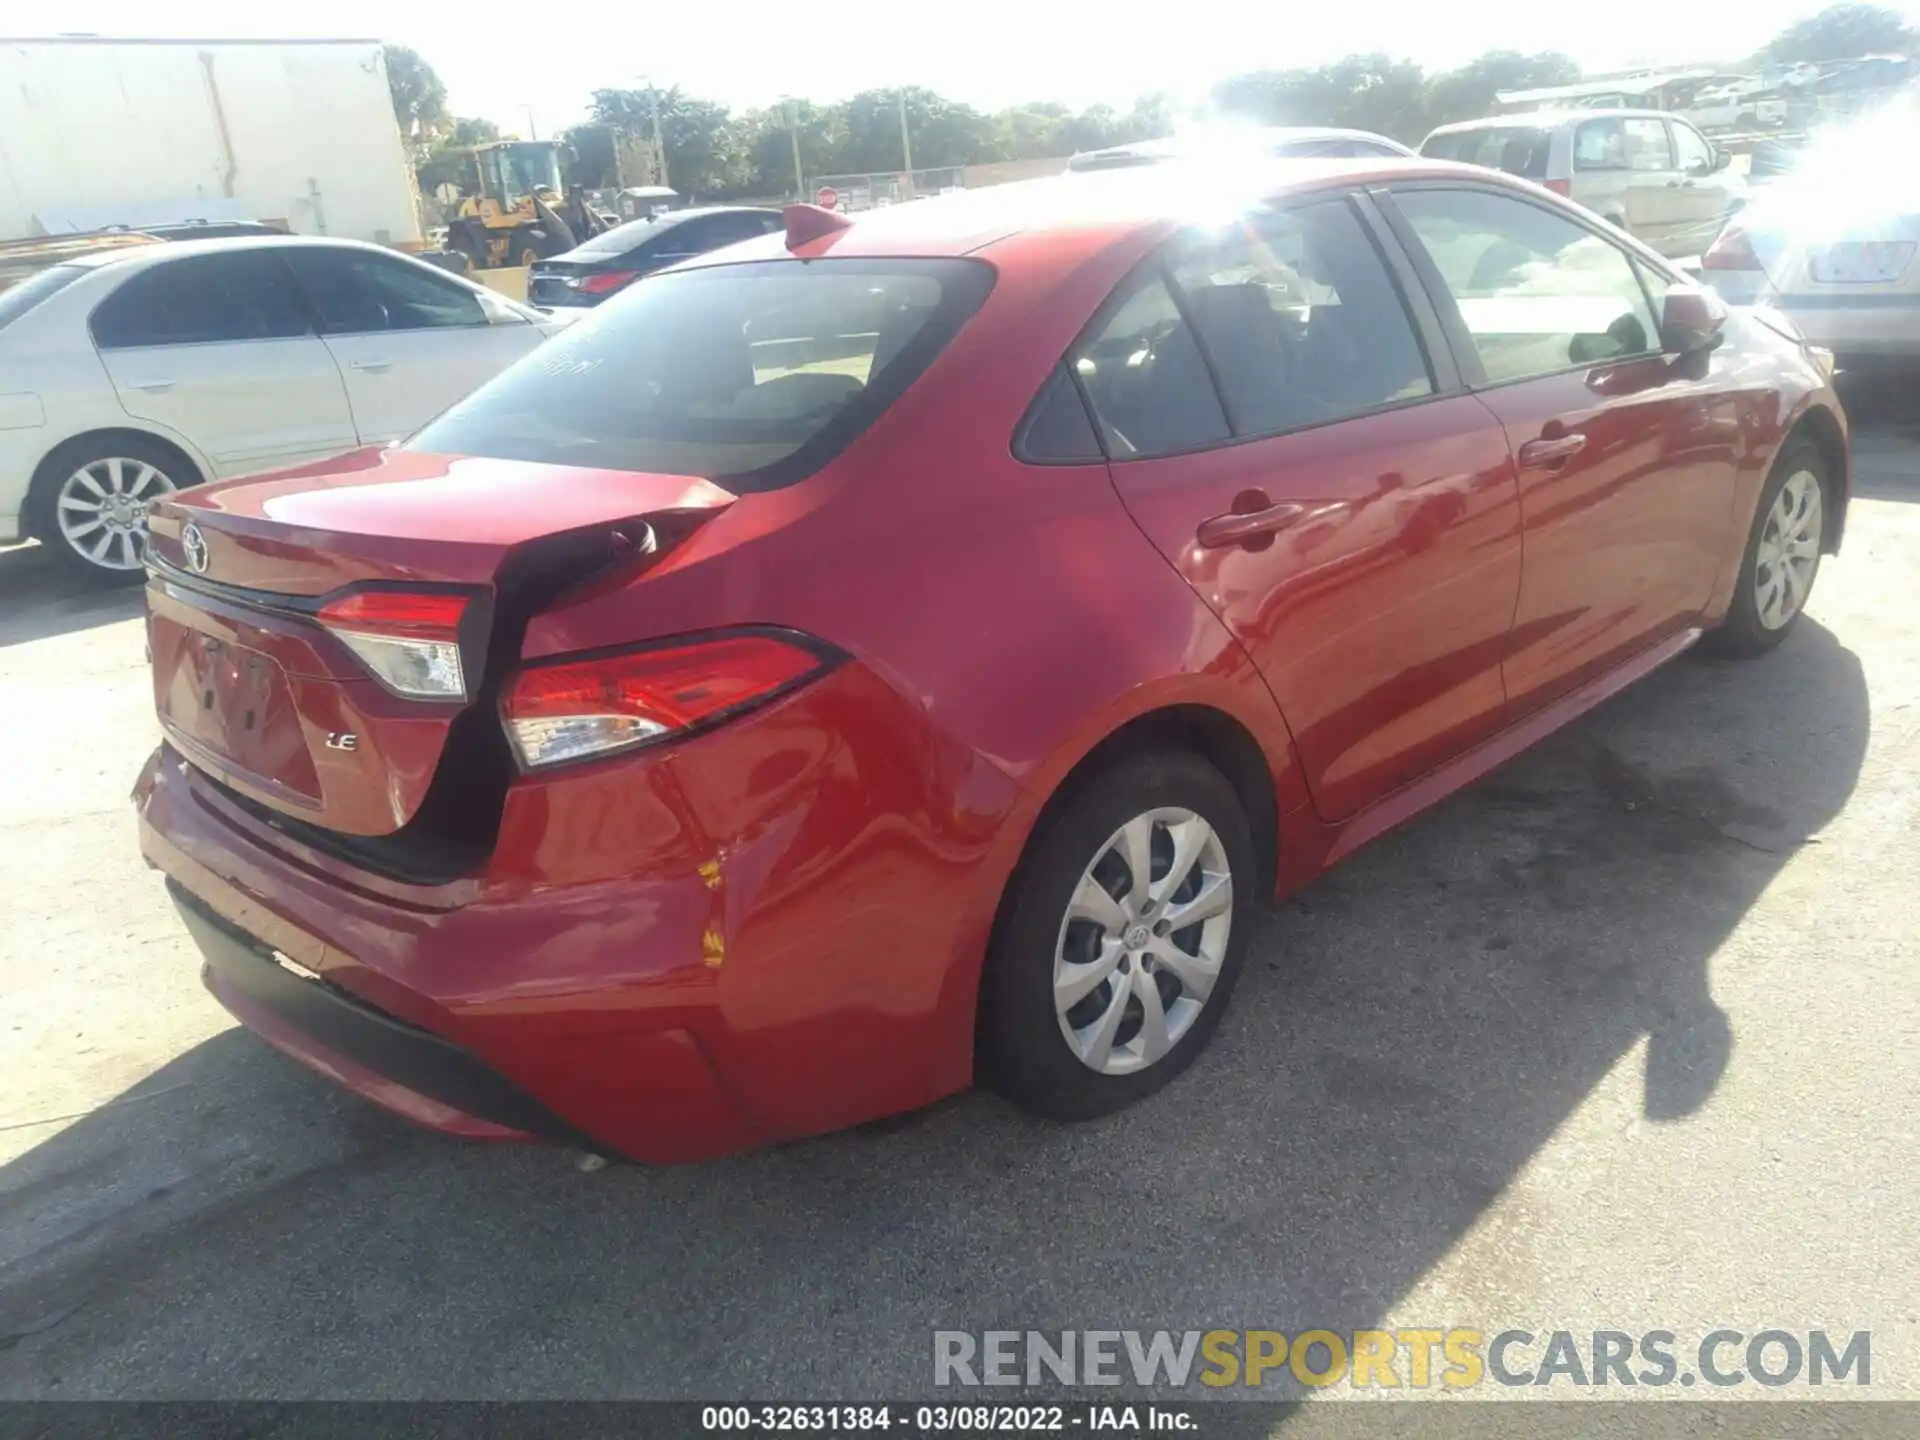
{"x": 1651, "y": 173}
{"x": 129, "y": 373}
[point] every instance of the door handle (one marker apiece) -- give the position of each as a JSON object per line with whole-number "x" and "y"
{"x": 1544, "y": 454}
{"x": 151, "y": 387}
{"x": 376, "y": 366}
{"x": 1238, "y": 527}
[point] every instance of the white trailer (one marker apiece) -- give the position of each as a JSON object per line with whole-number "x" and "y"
{"x": 97, "y": 132}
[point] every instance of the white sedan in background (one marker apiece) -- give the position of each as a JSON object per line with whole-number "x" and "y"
{"x": 129, "y": 373}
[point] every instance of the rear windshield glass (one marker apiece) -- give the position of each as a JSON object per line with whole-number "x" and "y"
{"x": 16, "y": 300}
{"x": 749, "y": 375}
{"x": 1510, "y": 148}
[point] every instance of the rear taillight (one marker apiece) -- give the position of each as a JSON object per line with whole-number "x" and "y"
{"x": 604, "y": 282}
{"x": 1731, "y": 250}
{"x": 1560, "y": 187}
{"x": 580, "y": 709}
{"x": 410, "y": 640}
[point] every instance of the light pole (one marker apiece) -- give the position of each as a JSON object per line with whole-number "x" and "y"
{"x": 906, "y": 140}
{"x": 793, "y": 134}
{"x": 659, "y": 145}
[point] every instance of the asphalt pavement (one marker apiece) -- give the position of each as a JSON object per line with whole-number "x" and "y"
{"x": 1624, "y": 1037}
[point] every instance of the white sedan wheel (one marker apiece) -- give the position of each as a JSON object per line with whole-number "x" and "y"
{"x": 101, "y": 510}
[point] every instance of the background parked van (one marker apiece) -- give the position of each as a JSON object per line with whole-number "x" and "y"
{"x": 1652, "y": 174}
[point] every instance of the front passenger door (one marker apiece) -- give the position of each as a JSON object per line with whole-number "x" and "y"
{"x": 1627, "y": 459}
{"x": 409, "y": 341}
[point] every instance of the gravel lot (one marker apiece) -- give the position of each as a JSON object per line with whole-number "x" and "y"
{"x": 1625, "y": 1037}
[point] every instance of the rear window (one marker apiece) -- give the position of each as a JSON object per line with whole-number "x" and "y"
{"x": 749, "y": 375}
{"x": 16, "y": 300}
{"x": 1514, "y": 149}
{"x": 620, "y": 239}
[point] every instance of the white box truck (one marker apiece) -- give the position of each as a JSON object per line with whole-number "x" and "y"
{"x": 100, "y": 132}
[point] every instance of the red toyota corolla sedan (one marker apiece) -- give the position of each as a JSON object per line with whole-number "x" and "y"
{"x": 896, "y": 653}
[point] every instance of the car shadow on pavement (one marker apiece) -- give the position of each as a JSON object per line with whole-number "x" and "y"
{"x": 38, "y": 599}
{"x": 1409, "y": 1034}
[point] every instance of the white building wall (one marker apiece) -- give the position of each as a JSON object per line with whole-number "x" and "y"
{"x": 129, "y": 132}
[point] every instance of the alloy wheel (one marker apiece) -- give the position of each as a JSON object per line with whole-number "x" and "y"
{"x": 1143, "y": 941}
{"x": 1789, "y": 551}
{"x": 101, "y": 509}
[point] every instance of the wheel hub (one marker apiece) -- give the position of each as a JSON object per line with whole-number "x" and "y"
{"x": 1143, "y": 941}
{"x": 101, "y": 510}
{"x": 1789, "y": 551}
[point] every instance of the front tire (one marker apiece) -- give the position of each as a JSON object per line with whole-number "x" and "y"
{"x": 90, "y": 498}
{"x": 1782, "y": 557}
{"x": 1120, "y": 938}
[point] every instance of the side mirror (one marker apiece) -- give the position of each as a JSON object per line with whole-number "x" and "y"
{"x": 1692, "y": 320}
{"x": 1722, "y": 159}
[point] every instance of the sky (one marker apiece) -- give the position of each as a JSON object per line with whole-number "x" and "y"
{"x": 989, "y": 53}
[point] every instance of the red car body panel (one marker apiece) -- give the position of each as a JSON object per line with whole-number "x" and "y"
{"x": 777, "y": 927}
{"x": 1380, "y": 619}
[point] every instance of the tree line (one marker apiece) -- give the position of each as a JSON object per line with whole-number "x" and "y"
{"x": 716, "y": 153}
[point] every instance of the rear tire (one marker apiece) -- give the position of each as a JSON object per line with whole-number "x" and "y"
{"x": 89, "y": 500}
{"x": 1096, "y": 995}
{"x": 1782, "y": 557}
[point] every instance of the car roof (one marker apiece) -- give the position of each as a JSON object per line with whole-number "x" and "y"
{"x": 1237, "y": 137}
{"x": 135, "y": 256}
{"x": 694, "y": 212}
{"x": 1548, "y": 119}
{"x": 1103, "y": 200}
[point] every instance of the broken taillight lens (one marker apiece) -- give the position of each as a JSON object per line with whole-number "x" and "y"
{"x": 581, "y": 709}
{"x": 409, "y": 640}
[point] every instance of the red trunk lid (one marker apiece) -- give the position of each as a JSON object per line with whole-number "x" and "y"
{"x": 254, "y": 689}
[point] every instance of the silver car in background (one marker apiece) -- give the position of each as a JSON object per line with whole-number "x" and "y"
{"x": 1834, "y": 244}
{"x": 1650, "y": 173}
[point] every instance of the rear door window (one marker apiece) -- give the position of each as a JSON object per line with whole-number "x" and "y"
{"x": 201, "y": 300}
{"x": 1622, "y": 144}
{"x": 1143, "y": 372}
{"x": 1537, "y": 292}
{"x": 1057, "y": 430}
{"x": 358, "y": 292}
{"x": 1298, "y": 319}
{"x": 751, "y": 375}
{"x": 1518, "y": 150}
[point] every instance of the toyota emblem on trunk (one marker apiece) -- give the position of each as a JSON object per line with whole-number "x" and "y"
{"x": 193, "y": 545}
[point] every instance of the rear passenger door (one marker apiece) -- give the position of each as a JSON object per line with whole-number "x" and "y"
{"x": 1281, "y": 422}
{"x": 218, "y": 350}
{"x": 409, "y": 341}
